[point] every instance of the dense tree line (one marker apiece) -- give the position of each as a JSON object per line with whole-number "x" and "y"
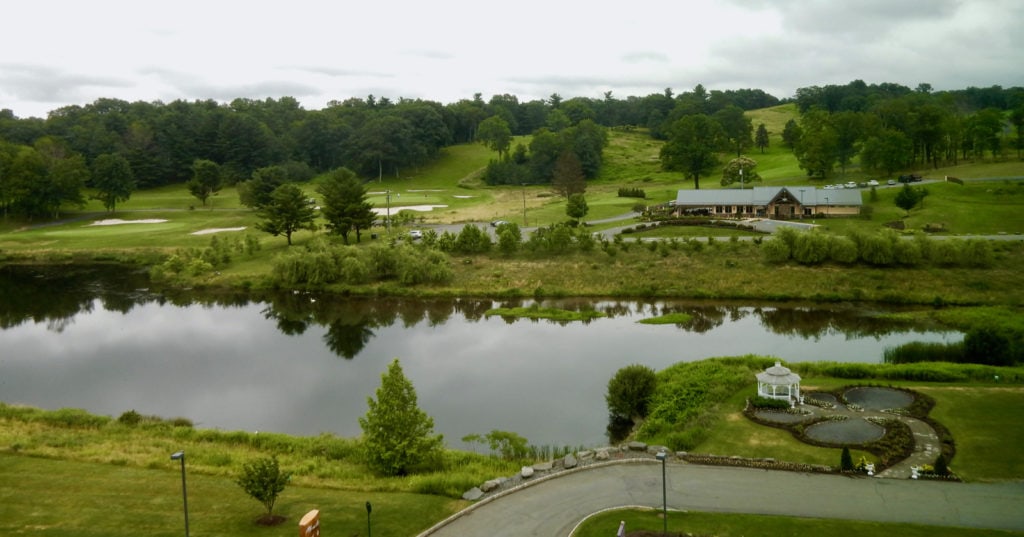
{"x": 891, "y": 127}
{"x": 115, "y": 146}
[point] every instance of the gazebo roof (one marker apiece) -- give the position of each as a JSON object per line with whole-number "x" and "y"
{"x": 778, "y": 375}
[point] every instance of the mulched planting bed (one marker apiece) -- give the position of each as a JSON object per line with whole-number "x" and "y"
{"x": 852, "y": 431}
{"x": 879, "y": 398}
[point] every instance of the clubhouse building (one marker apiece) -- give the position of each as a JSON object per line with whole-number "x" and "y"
{"x": 774, "y": 202}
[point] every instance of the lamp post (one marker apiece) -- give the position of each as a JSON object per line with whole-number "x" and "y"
{"x": 368, "y": 509}
{"x": 524, "y": 204}
{"x": 387, "y": 222}
{"x": 661, "y": 456}
{"x": 741, "y": 177}
{"x": 826, "y": 206}
{"x": 801, "y": 204}
{"x": 180, "y": 456}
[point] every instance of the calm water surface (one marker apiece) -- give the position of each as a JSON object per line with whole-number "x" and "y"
{"x": 305, "y": 364}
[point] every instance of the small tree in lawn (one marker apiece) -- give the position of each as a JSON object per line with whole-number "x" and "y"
{"x": 576, "y": 207}
{"x": 288, "y": 212}
{"x": 846, "y": 460}
{"x": 206, "y": 180}
{"x": 263, "y": 480}
{"x": 907, "y": 198}
{"x": 397, "y": 435}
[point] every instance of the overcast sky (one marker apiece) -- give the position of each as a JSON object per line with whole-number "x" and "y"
{"x": 60, "y": 52}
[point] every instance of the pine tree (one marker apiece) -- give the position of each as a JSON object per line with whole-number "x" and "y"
{"x": 397, "y": 435}
{"x": 846, "y": 460}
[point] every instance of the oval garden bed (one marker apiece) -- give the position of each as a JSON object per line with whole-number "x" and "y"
{"x": 870, "y": 398}
{"x": 845, "y": 432}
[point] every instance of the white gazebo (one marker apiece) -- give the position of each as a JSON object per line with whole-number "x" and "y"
{"x": 778, "y": 382}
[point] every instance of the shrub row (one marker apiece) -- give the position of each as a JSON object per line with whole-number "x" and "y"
{"x": 632, "y": 193}
{"x": 884, "y": 248}
{"x": 322, "y": 263}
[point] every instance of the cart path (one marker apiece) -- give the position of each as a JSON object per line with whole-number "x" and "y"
{"x": 554, "y": 506}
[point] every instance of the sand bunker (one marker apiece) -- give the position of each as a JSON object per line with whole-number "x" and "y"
{"x": 420, "y": 208}
{"x": 118, "y": 221}
{"x": 216, "y": 230}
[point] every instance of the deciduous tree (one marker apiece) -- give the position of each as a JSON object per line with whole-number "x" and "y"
{"x": 576, "y": 208}
{"x": 206, "y": 180}
{"x": 630, "y": 391}
{"x": 264, "y": 481}
{"x": 693, "y": 146}
{"x": 736, "y": 126}
{"x": 568, "y": 175}
{"x": 113, "y": 179}
{"x": 495, "y": 133}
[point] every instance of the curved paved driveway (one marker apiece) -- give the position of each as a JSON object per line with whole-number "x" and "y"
{"x": 555, "y": 506}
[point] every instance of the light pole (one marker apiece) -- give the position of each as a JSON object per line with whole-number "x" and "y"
{"x": 661, "y": 456}
{"x": 801, "y": 204}
{"x": 180, "y": 456}
{"x": 826, "y": 206}
{"x": 741, "y": 177}
{"x": 524, "y": 204}
{"x": 368, "y": 509}
{"x": 387, "y": 221}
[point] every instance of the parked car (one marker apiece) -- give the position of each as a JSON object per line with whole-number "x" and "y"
{"x": 872, "y": 183}
{"x": 910, "y": 178}
{"x": 497, "y": 223}
{"x": 851, "y": 184}
{"x": 415, "y": 234}
{"x": 891, "y": 182}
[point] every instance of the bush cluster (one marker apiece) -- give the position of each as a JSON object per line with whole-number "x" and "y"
{"x": 321, "y": 263}
{"x": 197, "y": 261}
{"x": 884, "y": 248}
{"x": 632, "y": 193}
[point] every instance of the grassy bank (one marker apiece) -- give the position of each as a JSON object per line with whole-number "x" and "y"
{"x": 61, "y": 497}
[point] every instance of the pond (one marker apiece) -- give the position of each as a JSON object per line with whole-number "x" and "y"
{"x": 302, "y": 364}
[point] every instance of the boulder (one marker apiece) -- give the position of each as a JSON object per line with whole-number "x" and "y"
{"x": 602, "y": 455}
{"x": 637, "y": 446}
{"x": 585, "y": 455}
{"x": 542, "y": 466}
{"x": 490, "y": 485}
{"x": 473, "y": 494}
{"x": 569, "y": 462}
{"x": 526, "y": 472}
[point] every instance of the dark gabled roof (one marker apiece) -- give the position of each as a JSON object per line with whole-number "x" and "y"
{"x": 763, "y": 195}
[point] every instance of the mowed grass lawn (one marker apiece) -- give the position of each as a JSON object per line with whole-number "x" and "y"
{"x": 984, "y": 422}
{"x": 54, "y": 497}
{"x": 986, "y": 426}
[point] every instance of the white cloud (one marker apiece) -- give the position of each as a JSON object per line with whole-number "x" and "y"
{"x": 67, "y": 52}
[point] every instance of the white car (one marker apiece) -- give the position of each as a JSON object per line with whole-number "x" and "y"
{"x": 872, "y": 183}
{"x": 415, "y": 234}
{"x": 851, "y": 184}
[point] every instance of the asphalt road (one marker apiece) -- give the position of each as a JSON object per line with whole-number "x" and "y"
{"x": 555, "y": 506}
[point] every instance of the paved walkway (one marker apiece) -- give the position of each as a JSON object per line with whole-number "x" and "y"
{"x": 553, "y": 507}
